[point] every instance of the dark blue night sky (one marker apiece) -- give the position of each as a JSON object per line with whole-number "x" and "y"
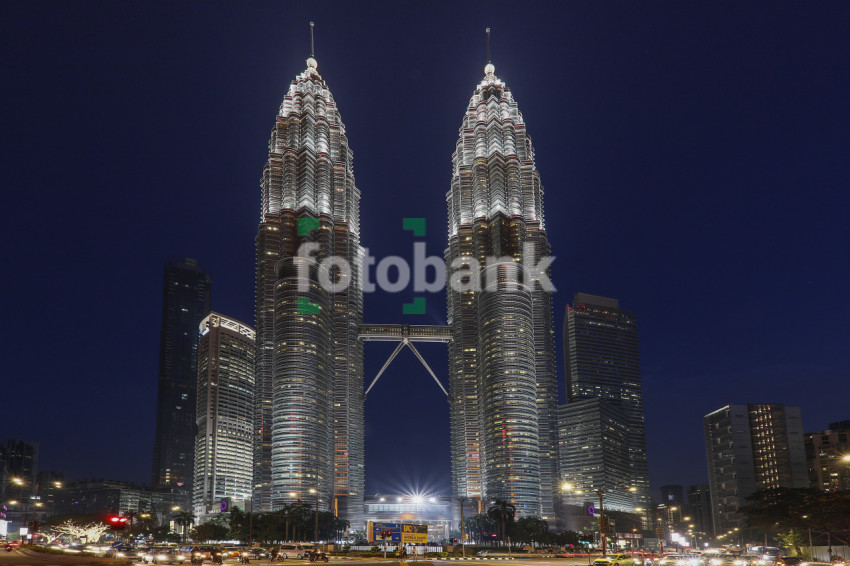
{"x": 694, "y": 157}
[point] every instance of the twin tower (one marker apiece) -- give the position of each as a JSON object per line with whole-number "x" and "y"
{"x": 309, "y": 376}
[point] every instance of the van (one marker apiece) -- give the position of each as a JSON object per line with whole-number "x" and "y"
{"x": 297, "y": 550}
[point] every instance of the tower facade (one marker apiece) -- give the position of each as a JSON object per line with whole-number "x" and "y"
{"x": 186, "y": 301}
{"x": 827, "y": 453}
{"x": 309, "y": 365}
{"x": 225, "y": 416}
{"x": 602, "y": 362}
{"x": 501, "y": 359}
{"x": 593, "y": 437}
{"x": 750, "y": 448}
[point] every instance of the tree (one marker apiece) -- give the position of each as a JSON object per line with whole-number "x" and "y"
{"x": 479, "y": 526}
{"x": 333, "y": 528}
{"x": 184, "y": 519}
{"x": 792, "y": 541}
{"x": 532, "y": 529}
{"x": 238, "y": 524}
{"x": 209, "y": 531}
{"x": 91, "y": 532}
{"x": 502, "y": 512}
{"x": 358, "y": 537}
{"x": 567, "y": 538}
{"x": 799, "y": 508}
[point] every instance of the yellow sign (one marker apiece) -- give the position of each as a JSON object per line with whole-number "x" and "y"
{"x": 414, "y": 533}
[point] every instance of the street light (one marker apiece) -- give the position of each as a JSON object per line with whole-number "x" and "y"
{"x": 603, "y": 519}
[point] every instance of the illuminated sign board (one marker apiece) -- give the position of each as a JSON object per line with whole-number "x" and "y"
{"x": 398, "y": 532}
{"x": 414, "y": 533}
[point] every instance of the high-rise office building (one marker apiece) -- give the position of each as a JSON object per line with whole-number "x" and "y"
{"x": 19, "y": 468}
{"x": 309, "y": 365}
{"x": 672, "y": 495}
{"x": 593, "y": 446}
{"x": 224, "y": 447}
{"x": 186, "y": 301}
{"x": 827, "y": 455}
{"x": 501, "y": 359}
{"x": 602, "y": 362}
{"x": 750, "y": 448}
{"x": 699, "y": 508}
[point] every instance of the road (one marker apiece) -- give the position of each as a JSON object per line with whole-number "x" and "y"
{"x": 27, "y": 558}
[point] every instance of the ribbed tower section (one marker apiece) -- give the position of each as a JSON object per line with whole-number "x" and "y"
{"x": 503, "y": 389}
{"x": 309, "y": 413}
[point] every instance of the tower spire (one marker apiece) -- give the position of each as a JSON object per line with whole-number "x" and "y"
{"x": 489, "y": 68}
{"x": 311, "y": 60}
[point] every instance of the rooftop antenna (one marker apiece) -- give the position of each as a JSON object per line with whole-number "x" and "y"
{"x": 312, "y": 49}
{"x": 489, "y": 60}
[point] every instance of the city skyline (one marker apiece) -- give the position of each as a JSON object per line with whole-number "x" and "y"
{"x": 704, "y": 200}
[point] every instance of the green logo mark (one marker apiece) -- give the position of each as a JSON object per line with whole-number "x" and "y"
{"x": 306, "y": 307}
{"x": 307, "y": 225}
{"x": 415, "y": 224}
{"x": 416, "y": 307}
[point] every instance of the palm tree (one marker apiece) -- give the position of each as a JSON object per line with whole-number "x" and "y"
{"x": 478, "y": 525}
{"x": 502, "y": 512}
{"x": 339, "y": 527}
{"x": 184, "y": 519}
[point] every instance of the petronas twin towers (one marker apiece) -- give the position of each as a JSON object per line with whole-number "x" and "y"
{"x": 309, "y": 308}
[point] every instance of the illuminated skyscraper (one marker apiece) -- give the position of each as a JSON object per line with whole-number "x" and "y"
{"x": 749, "y": 448}
{"x": 602, "y": 362}
{"x": 309, "y": 365}
{"x": 594, "y": 452}
{"x": 186, "y": 301}
{"x": 825, "y": 456}
{"x": 501, "y": 360}
{"x": 225, "y": 415}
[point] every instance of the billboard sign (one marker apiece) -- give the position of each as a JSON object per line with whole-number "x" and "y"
{"x": 398, "y": 532}
{"x": 414, "y": 533}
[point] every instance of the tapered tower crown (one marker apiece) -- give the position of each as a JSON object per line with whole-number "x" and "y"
{"x": 493, "y": 163}
{"x": 308, "y": 142}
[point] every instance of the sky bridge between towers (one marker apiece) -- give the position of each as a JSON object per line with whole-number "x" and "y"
{"x": 405, "y": 335}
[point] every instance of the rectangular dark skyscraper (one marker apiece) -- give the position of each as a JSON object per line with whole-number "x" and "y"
{"x": 602, "y": 361}
{"x": 185, "y": 303}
